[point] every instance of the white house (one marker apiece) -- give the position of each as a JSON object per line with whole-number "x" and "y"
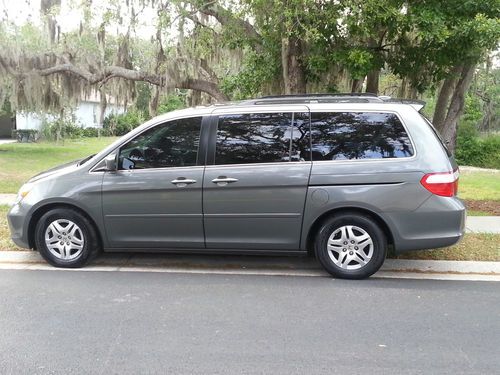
{"x": 86, "y": 114}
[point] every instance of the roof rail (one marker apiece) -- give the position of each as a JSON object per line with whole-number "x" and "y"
{"x": 356, "y": 97}
{"x": 318, "y": 95}
{"x": 315, "y": 98}
{"x": 415, "y": 103}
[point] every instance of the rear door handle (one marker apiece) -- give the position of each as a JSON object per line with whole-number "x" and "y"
{"x": 223, "y": 181}
{"x": 182, "y": 182}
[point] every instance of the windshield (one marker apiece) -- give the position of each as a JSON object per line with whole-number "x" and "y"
{"x": 83, "y": 161}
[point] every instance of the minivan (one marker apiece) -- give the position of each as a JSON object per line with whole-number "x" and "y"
{"x": 343, "y": 177}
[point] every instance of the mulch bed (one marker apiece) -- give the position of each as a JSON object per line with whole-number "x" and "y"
{"x": 491, "y": 207}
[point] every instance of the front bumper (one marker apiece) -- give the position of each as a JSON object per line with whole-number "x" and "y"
{"x": 18, "y": 224}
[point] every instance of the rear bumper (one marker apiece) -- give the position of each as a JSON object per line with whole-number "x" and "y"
{"x": 438, "y": 222}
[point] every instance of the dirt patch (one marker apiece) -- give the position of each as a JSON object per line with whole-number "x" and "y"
{"x": 491, "y": 207}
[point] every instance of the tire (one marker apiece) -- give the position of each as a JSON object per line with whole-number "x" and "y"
{"x": 345, "y": 259}
{"x": 66, "y": 239}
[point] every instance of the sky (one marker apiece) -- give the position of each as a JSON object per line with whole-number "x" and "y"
{"x": 22, "y": 11}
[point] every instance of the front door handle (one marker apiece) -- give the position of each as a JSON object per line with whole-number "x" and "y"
{"x": 182, "y": 182}
{"x": 223, "y": 181}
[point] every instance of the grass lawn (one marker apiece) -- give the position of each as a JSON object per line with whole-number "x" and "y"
{"x": 477, "y": 213}
{"x": 5, "y": 241}
{"x": 20, "y": 161}
{"x": 479, "y": 186}
{"x": 473, "y": 246}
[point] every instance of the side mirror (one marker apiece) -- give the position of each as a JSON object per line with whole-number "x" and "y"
{"x": 110, "y": 162}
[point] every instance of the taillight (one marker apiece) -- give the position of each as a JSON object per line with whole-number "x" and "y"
{"x": 444, "y": 184}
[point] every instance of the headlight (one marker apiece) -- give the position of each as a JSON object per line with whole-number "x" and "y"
{"x": 23, "y": 192}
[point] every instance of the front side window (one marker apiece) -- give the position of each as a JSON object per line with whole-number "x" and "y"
{"x": 358, "y": 135}
{"x": 262, "y": 138}
{"x": 172, "y": 144}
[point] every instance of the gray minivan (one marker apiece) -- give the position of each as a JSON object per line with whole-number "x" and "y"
{"x": 343, "y": 177}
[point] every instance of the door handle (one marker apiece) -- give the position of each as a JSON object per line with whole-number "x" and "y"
{"x": 182, "y": 182}
{"x": 223, "y": 181}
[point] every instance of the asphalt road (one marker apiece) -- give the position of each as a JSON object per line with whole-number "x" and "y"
{"x": 131, "y": 322}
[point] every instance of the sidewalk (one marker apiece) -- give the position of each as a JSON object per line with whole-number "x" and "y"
{"x": 7, "y": 199}
{"x": 483, "y": 224}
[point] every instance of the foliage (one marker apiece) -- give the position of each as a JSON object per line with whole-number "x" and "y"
{"x": 5, "y": 108}
{"x": 172, "y": 102}
{"x": 476, "y": 151}
{"x": 92, "y": 132}
{"x": 25, "y": 135}
{"x": 121, "y": 124}
{"x": 61, "y": 128}
{"x": 245, "y": 48}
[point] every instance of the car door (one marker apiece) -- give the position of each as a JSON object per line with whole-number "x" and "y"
{"x": 255, "y": 184}
{"x": 154, "y": 198}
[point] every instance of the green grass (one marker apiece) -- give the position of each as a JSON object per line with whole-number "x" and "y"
{"x": 5, "y": 241}
{"x": 477, "y": 213}
{"x": 473, "y": 246}
{"x": 479, "y": 186}
{"x": 20, "y": 161}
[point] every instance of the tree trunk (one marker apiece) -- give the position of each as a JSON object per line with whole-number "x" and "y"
{"x": 102, "y": 108}
{"x": 443, "y": 99}
{"x": 153, "y": 103}
{"x": 412, "y": 93}
{"x": 357, "y": 85}
{"x": 456, "y": 107}
{"x": 194, "y": 98}
{"x": 372, "y": 81}
{"x": 293, "y": 72}
{"x": 402, "y": 88}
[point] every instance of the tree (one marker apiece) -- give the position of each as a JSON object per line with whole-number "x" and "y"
{"x": 236, "y": 49}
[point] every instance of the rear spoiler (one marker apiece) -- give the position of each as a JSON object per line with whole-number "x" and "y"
{"x": 417, "y": 104}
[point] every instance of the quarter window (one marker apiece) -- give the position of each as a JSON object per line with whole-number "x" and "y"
{"x": 358, "y": 135}
{"x": 172, "y": 144}
{"x": 261, "y": 138}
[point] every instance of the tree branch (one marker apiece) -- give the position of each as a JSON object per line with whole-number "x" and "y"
{"x": 110, "y": 72}
{"x": 225, "y": 17}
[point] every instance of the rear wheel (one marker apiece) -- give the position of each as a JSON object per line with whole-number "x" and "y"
{"x": 351, "y": 246}
{"x": 65, "y": 238}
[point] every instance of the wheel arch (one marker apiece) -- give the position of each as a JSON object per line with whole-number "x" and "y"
{"x": 314, "y": 228}
{"x": 40, "y": 211}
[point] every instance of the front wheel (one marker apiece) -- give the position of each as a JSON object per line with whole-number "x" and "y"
{"x": 65, "y": 238}
{"x": 351, "y": 246}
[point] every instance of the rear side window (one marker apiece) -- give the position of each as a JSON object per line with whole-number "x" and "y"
{"x": 358, "y": 135}
{"x": 438, "y": 136}
{"x": 261, "y": 138}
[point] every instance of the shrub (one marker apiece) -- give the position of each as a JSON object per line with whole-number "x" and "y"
{"x": 90, "y": 132}
{"x": 120, "y": 124}
{"x": 60, "y": 129}
{"x": 171, "y": 103}
{"x": 25, "y": 135}
{"x": 476, "y": 151}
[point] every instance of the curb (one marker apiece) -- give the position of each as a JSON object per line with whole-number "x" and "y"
{"x": 236, "y": 263}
